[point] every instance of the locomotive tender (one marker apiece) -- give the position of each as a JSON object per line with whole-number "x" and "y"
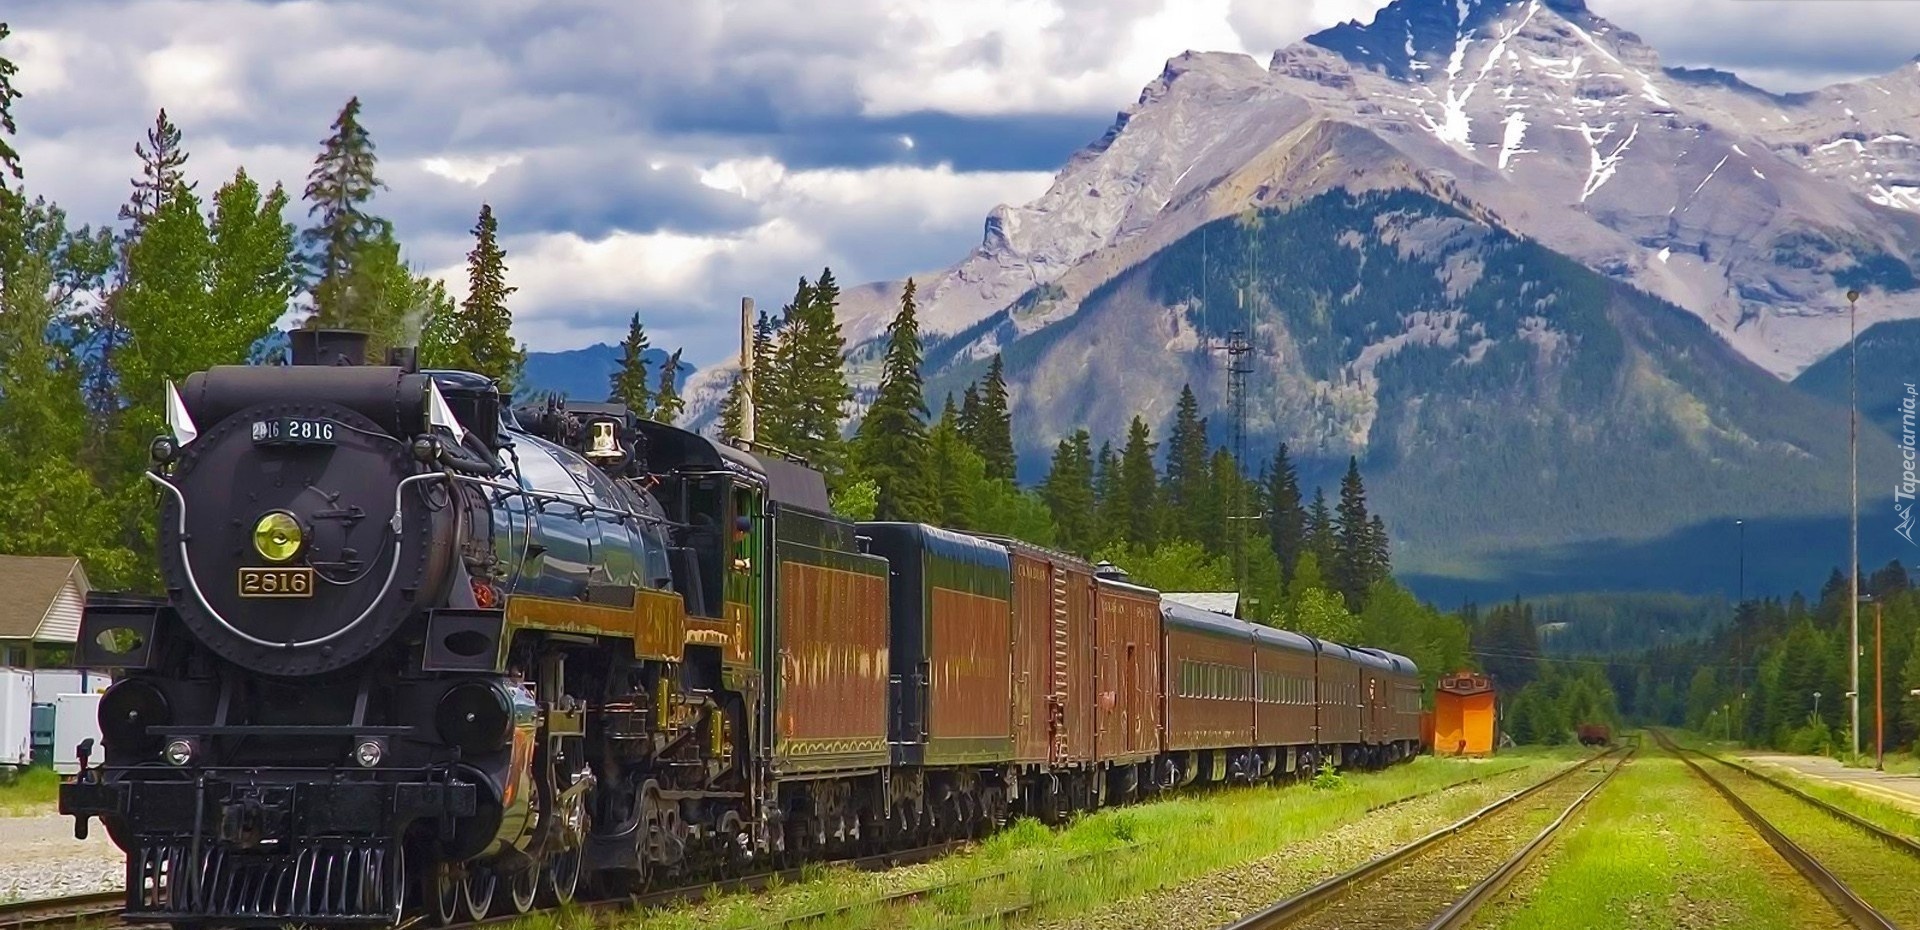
{"x": 421, "y": 653}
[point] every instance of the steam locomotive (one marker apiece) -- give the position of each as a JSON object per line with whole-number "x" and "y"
{"x": 422, "y": 653}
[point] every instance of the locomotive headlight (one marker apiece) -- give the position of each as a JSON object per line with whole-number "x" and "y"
{"x": 178, "y": 752}
{"x": 368, "y": 753}
{"x": 277, "y": 536}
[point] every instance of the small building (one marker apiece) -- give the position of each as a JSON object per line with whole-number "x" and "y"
{"x": 1464, "y": 715}
{"x": 41, "y": 609}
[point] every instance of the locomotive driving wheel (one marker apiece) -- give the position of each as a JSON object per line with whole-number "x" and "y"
{"x": 560, "y": 876}
{"x": 522, "y": 887}
{"x": 440, "y": 890}
{"x": 476, "y": 892}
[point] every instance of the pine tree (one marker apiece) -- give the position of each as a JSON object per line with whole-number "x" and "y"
{"x": 891, "y": 445}
{"x": 1216, "y": 506}
{"x": 732, "y": 408}
{"x": 1069, "y": 492}
{"x": 1187, "y": 473}
{"x": 1351, "y": 567}
{"x": 9, "y": 159}
{"x": 1319, "y": 529}
{"x": 969, "y": 421}
{"x": 811, "y": 383}
{"x": 1286, "y": 520}
{"x": 344, "y": 234}
{"x": 993, "y": 431}
{"x": 948, "y": 471}
{"x": 162, "y": 163}
{"x": 485, "y": 342}
{"x": 1107, "y": 505}
{"x": 667, "y": 405}
{"x": 774, "y": 388}
{"x": 1138, "y": 487}
{"x": 629, "y": 383}
{"x": 162, "y": 170}
{"x": 1379, "y": 551}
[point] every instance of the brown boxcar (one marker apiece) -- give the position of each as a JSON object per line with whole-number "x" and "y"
{"x": 1284, "y": 701}
{"x": 1052, "y": 658}
{"x": 1127, "y": 672}
{"x": 1209, "y": 681}
{"x": 829, "y": 634}
{"x": 951, "y": 662}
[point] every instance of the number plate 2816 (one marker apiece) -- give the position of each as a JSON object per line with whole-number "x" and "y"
{"x": 294, "y": 431}
{"x": 276, "y": 582}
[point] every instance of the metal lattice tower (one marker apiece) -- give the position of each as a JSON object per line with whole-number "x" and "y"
{"x": 1238, "y": 349}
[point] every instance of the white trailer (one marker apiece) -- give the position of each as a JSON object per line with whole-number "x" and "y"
{"x": 16, "y": 717}
{"x": 76, "y": 717}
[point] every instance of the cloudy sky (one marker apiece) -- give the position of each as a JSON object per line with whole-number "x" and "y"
{"x": 668, "y": 156}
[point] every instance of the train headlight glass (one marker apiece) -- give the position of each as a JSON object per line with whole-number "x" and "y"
{"x": 277, "y": 536}
{"x": 368, "y": 753}
{"x": 178, "y": 752}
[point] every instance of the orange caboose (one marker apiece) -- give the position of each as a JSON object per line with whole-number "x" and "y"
{"x": 1463, "y": 715}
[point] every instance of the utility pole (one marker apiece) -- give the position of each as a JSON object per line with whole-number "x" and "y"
{"x": 1853, "y": 474}
{"x": 746, "y": 371}
{"x": 1879, "y": 697}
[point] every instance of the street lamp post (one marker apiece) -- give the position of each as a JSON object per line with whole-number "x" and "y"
{"x": 1853, "y": 475}
{"x": 1816, "y": 703}
{"x": 1879, "y": 698}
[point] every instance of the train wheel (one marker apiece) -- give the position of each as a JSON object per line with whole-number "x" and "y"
{"x": 560, "y": 873}
{"x": 440, "y": 889}
{"x": 476, "y": 893}
{"x": 523, "y": 887}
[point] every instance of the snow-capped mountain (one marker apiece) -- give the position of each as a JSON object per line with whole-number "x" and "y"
{"x": 1737, "y": 204}
{"x": 1539, "y": 283}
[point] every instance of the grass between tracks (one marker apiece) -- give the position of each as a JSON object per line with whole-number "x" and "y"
{"x": 34, "y": 791}
{"x": 1100, "y": 857}
{"x": 1658, "y": 848}
{"x": 1866, "y": 807}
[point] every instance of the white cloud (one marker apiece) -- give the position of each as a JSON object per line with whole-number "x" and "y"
{"x": 472, "y": 171}
{"x": 195, "y": 80}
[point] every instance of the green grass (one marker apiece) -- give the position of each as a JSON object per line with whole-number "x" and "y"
{"x": 35, "y": 791}
{"x": 1659, "y": 849}
{"x": 1110, "y": 855}
{"x": 1885, "y": 878}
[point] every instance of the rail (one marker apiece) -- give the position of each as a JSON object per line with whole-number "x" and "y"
{"x": 1301, "y": 905}
{"x": 1857, "y": 911}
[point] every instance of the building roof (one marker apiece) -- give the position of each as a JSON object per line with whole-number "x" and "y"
{"x": 1219, "y": 602}
{"x": 44, "y": 597}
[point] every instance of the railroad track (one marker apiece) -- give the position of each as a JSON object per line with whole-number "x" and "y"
{"x": 1857, "y": 910}
{"x": 1416, "y": 885}
{"x": 104, "y": 907}
{"x": 52, "y": 912}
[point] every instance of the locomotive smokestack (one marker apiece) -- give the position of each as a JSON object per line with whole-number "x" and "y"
{"x": 329, "y": 347}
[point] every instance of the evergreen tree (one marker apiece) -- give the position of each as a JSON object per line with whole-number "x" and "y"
{"x": 162, "y": 170}
{"x": 629, "y": 383}
{"x": 1352, "y": 547}
{"x": 1187, "y": 475}
{"x": 1319, "y": 529}
{"x": 1107, "y": 506}
{"x": 1219, "y": 505}
{"x": 1137, "y": 486}
{"x": 969, "y": 421}
{"x": 1069, "y": 492}
{"x": 485, "y": 342}
{"x": 993, "y": 432}
{"x": 9, "y": 158}
{"x": 162, "y": 163}
{"x": 732, "y": 406}
{"x": 1379, "y": 551}
{"x": 1286, "y": 520}
{"x": 1910, "y": 702}
{"x": 891, "y": 445}
{"x": 667, "y": 403}
{"x": 344, "y": 235}
{"x": 809, "y": 364}
{"x": 948, "y": 470}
